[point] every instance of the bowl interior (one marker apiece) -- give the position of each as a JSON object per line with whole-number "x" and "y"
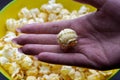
{"x": 12, "y": 9}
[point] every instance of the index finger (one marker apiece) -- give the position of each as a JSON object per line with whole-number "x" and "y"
{"x": 45, "y": 28}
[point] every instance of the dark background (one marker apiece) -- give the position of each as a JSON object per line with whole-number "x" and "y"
{"x": 5, "y": 2}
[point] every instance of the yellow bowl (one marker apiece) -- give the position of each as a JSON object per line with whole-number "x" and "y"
{"x": 12, "y": 9}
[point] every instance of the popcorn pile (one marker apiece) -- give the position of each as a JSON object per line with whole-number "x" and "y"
{"x": 23, "y": 67}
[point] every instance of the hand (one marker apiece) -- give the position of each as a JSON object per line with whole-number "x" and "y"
{"x": 98, "y": 43}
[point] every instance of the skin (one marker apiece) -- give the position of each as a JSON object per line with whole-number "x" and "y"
{"x": 98, "y": 42}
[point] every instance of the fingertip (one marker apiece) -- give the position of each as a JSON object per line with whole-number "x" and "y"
{"x": 18, "y": 30}
{"x": 20, "y": 50}
{"x": 14, "y": 40}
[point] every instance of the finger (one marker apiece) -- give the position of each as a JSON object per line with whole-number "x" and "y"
{"x": 36, "y": 39}
{"x": 71, "y": 59}
{"x": 34, "y": 49}
{"x": 95, "y": 3}
{"x": 51, "y": 28}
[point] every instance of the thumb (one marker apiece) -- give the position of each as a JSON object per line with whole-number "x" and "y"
{"x": 95, "y": 3}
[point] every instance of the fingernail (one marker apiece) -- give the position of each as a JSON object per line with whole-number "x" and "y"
{"x": 14, "y": 41}
{"x": 18, "y": 30}
{"x": 20, "y": 50}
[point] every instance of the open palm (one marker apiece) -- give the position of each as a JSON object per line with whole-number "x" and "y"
{"x": 98, "y": 42}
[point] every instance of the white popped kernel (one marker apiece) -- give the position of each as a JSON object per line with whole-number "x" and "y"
{"x": 44, "y": 69}
{"x": 9, "y": 36}
{"x": 12, "y": 68}
{"x": 11, "y": 25}
{"x": 31, "y": 21}
{"x": 3, "y": 60}
{"x": 27, "y": 62}
{"x": 64, "y": 12}
{"x": 34, "y": 12}
{"x": 25, "y": 13}
{"x": 7, "y": 50}
{"x": 54, "y": 77}
{"x": 22, "y": 22}
{"x": 39, "y": 20}
{"x": 83, "y": 10}
{"x": 67, "y": 38}
{"x": 43, "y": 15}
{"x": 65, "y": 70}
{"x": 52, "y": 17}
{"x": 31, "y": 78}
{"x": 51, "y": 1}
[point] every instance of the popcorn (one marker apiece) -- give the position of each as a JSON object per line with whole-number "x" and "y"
{"x": 25, "y": 13}
{"x": 6, "y": 51}
{"x": 31, "y": 21}
{"x": 27, "y": 62}
{"x": 43, "y": 15}
{"x": 34, "y": 12}
{"x": 65, "y": 70}
{"x": 9, "y": 36}
{"x": 52, "y": 7}
{"x": 44, "y": 69}
{"x": 51, "y": 1}
{"x": 22, "y": 21}
{"x": 11, "y": 24}
{"x": 54, "y": 77}
{"x": 39, "y": 20}
{"x": 64, "y": 12}
{"x": 83, "y": 10}
{"x": 12, "y": 68}
{"x": 3, "y": 60}
{"x": 52, "y": 17}
{"x": 31, "y": 78}
{"x": 33, "y": 71}
{"x": 25, "y": 67}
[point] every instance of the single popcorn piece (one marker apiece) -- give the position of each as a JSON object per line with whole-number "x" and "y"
{"x": 21, "y": 22}
{"x": 6, "y": 51}
{"x": 3, "y": 61}
{"x": 34, "y": 12}
{"x": 72, "y": 73}
{"x": 45, "y": 77}
{"x": 78, "y": 76}
{"x": 27, "y": 62}
{"x": 64, "y": 12}
{"x": 12, "y": 68}
{"x": 30, "y": 21}
{"x": 39, "y": 20}
{"x": 43, "y": 15}
{"x": 65, "y": 70}
{"x": 31, "y": 78}
{"x": 67, "y": 38}
{"x": 66, "y": 17}
{"x": 51, "y": 1}
{"x": 11, "y": 24}
{"x": 44, "y": 69}
{"x": 83, "y": 10}
{"x": 54, "y": 77}
{"x": 52, "y": 17}
{"x": 52, "y": 8}
{"x": 32, "y": 71}
{"x": 56, "y": 8}
{"x": 9, "y": 36}
{"x": 25, "y": 13}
